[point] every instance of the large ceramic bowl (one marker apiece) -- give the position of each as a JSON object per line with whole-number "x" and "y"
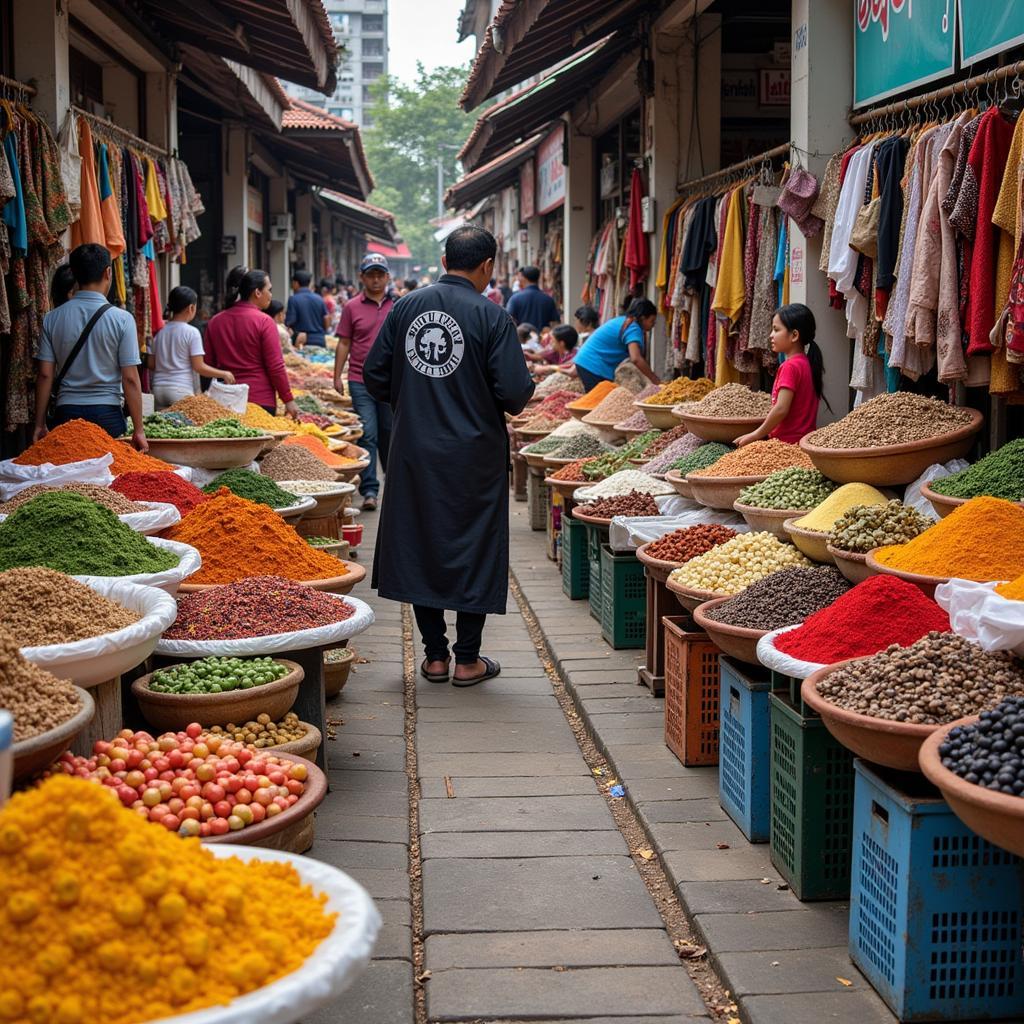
{"x": 679, "y": 482}
{"x": 768, "y": 520}
{"x": 878, "y": 740}
{"x": 893, "y": 464}
{"x": 944, "y": 504}
{"x": 324, "y": 503}
{"x": 566, "y": 488}
{"x": 852, "y": 564}
{"x": 713, "y": 428}
{"x": 719, "y": 491}
{"x": 535, "y": 460}
{"x": 659, "y": 568}
{"x": 208, "y": 452}
{"x": 736, "y": 641}
{"x": 661, "y": 417}
{"x": 305, "y": 746}
{"x": 578, "y": 513}
{"x": 690, "y": 598}
{"x": 37, "y": 752}
{"x": 997, "y": 817}
{"x": 606, "y": 430}
{"x": 291, "y": 514}
{"x": 813, "y": 543}
{"x": 926, "y": 584}
{"x": 335, "y": 584}
{"x": 174, "y": 711}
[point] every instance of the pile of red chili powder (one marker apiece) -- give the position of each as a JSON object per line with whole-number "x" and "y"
{"x": 167, "y": 487}
{"x": 881, "y": 611}
{"x": 256, "y": 606}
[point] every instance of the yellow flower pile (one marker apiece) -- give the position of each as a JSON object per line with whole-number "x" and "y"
{"x": 107, "y": 917}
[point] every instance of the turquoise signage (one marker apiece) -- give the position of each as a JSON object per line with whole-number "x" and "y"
{"x": 987, "y": 28}
{"x": 901, "y": 44}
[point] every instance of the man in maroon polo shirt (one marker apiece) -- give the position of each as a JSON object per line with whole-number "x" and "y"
{"x": 361, "y": 319}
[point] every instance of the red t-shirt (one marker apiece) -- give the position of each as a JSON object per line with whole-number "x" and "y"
{"x": 795, "y": 374}
{"x": 361, "y": 320}
{"x": 244, "y": 340}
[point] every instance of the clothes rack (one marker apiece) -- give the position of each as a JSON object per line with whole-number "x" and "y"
{"x": 937, "y": 95}
{"x": 751, "y": 161}
{"x": 12, "y": 85}
{"x": 102, "y": 125}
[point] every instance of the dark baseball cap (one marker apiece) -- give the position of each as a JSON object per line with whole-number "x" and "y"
{"x": 374, "y": 261}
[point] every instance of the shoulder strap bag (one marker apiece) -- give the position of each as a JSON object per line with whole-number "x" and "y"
{"x": 51, "y": 411}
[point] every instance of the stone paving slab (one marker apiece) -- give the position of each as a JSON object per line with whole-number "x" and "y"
{"x": 483, "y": 765}
{"x": 535, "y": 893}
{"x": 496, "y": 738}
{"x": 684, "y": 787}
{"x": 482, "y": 711}
{"x": 520, "y": 814}
{"x": 359, "y": 802}
{"x": 853, "y": 1007}
{"x": 347, "y": 853}
{"x": 823, "y": 925}
{"x": 698, "y": 809}
{"x": 522, "y": 844}
{"x": 715, "y": 866}
{"x": 369, "y": 781}
{"x": 363, "y": 829}
{"x": 780, "y": 972}
{"x": 552, "y": 785}
{"x": 735, "y": 897}
{"x": 480, "y": 993}
{"x": 383, "y": 993}
{"x": 364, "y": 758}
{"x": 615, "y": 948}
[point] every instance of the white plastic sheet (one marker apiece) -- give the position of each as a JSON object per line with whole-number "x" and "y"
{"x": 189, "y": 562}
{"x": 979, "y": 614}
{"x": 772, "y": 658}
{"x": 15, "y": 477}
{"x": 335, "y": 964}
{"x": 935, "y": 471}
{"x": 158, "y": 516}
{"x": 627, "y": 532}
{"x": 234, "y": 396}
{"x": 201, "y": 477}
{"x": 275, "y": 643}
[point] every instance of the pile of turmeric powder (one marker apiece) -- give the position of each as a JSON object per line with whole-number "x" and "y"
{"x": 108, "y": 918}
{"x": 239, "y": 538}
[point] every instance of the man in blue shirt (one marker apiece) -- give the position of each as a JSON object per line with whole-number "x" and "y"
{"x": 307, "y": 314}
{"x": 530, "y": 305}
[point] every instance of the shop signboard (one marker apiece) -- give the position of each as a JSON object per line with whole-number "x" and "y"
{"x": 901, "y": 44}
{"x": 774, "y": 87}
{"x": 987, "y": 28}
{"x": 254, "y": 209}
{"x": 527, "y": 207}
{"x": 551, "y": 171}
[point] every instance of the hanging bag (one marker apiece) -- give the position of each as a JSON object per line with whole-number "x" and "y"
{"x": 71, "y": 164}
{"x": 51, "y": 410}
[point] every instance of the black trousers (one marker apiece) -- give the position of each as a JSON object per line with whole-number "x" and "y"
{"x": 469, "y": 627}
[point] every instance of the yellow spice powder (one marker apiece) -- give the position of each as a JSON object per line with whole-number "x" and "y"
{"x": 823, "y": 516}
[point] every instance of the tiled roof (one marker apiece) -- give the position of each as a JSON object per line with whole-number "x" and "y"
{"x": 307, "y": 115}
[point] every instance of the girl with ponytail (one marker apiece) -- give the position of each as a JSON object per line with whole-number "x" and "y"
{"x": 798, "y": 382}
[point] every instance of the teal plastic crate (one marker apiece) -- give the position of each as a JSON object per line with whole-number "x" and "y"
{"x": 623, "y": 599}
{"x": 596, "y": 536}
{"x": 575, "y": 564}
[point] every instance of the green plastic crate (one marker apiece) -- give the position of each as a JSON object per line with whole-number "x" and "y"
{"x": 623, "y": 599}
{"x": 575, "y": 565}
{"x": 536, "y": 501}
{"x": 595, "y": 538}
{"x": 811, "y": 804}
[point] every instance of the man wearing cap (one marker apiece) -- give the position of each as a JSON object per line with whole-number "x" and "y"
{"x": 361, "y": 319}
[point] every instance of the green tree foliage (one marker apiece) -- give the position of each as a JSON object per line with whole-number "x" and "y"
{"x": 413, "y": 125}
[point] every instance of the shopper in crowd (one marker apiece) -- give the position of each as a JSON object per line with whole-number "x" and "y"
{"x": 620, "y": 338}
{"x": 559, "y": 354}
{"x": 449, "y": 363}
{"x": 797, "y": 390}
{"x": 493, "y": 292}
{"x": 587, "y": 319}
{"x": 244, "y": 340}
{"x": 62, "y": 285}
{"x": 529, "y": 341}
{"x": 307, "y": 313}
{"x": 176, "y": 354}
{"x": 361, "y": 320}
{"x": 530, "y": 304}
{"x": 89, "y": 354}
{"x": 276, "y": 313}
{"x": 327, "y": 294}
{"x": 506, "y": 292}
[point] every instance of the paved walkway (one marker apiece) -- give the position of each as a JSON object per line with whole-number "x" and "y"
{"x": 532, "y": 908}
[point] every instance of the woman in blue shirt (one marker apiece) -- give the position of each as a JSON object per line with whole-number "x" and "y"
{"x": 618, "y": 339}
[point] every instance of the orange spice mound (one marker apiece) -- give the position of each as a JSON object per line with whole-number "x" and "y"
{"x": 239, "y": 538}
{"x": 592, "y": 399}
{"x": 572, "y": 472}
{"x": 320, "y": 450}
{"x": 79, "y": 439}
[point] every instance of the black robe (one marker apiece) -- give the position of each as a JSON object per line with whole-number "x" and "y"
{"x": 449, "y": 363}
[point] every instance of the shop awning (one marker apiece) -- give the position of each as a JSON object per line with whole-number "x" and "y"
{"x": 501, "y": 171}
{"x": 527, "y": 36}
{"x": 257, "y": 97}
{"x": 398, "y": 251}
{"x": 362, "y": 216}
{"x": 532, "y": 108}
{"x": 289, "y": 38}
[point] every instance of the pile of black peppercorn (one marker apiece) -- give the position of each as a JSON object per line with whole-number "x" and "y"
{"x": 991, "y": 752}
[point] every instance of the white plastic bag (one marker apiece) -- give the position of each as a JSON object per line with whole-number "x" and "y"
{"x": 978, "y": 613}
{"x": 628, "y": 532}
{"x": 15, "y": 477}
{"x": 158, "y": 516}
{"x": 275, "y": 643}
{"x": 935, "y": 471}
{"x": 201, "y": 477}
{"x": 234, "y": 396}
{"x": 189, "y": 562}
{"x": 333, "y": 966}
{"x": 772, "y": 658}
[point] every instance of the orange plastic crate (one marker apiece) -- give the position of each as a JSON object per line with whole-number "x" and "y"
{"x": 691, "y": 693}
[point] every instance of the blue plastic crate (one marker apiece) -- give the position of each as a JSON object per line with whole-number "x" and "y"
{"x": 935, "y": 910}
{"x": 744, "y": 742}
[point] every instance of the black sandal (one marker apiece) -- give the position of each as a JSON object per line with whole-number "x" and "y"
{"x": 434, "y": 677}
{"x": 492, "y": 669}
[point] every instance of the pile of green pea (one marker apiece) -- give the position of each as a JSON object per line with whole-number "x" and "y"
{"x": 160, "y": 427}
{"x": 217, "y": 675}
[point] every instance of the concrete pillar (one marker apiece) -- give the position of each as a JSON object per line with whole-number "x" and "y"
{"x": 41, "y": 55}
{"x": 821, "y": 96}
{"x": 305, "y": 253}
{"x": 280, "y": 252}
{"x": 235, "y": 184}
{"x": 580, "y": 205}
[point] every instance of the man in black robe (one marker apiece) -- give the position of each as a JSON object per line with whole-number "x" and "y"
{"x": 450, "y": 365}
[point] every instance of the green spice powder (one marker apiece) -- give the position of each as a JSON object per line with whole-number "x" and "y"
{"x": 68, "y": 532}
{"x": 253, "y": 486}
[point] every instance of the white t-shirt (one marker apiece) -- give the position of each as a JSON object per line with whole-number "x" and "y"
{"x": 173, "y": 347}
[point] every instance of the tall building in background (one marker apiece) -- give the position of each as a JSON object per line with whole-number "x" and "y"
{"x": 361, "y": 28}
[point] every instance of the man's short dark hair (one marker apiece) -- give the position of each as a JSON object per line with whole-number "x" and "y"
{"x": 467, "y": 247}
{"x": 588, "y": 316}
{"x": 523, "y": 331}
{"x": 532, "y": 274}
{"x": 567, "y": 335}
{"x": 302, "y": 278}
{"x": 89, "y": 263}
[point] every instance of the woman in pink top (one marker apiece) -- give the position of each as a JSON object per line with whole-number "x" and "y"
{"x": 244, "y": 340}
{"x": 798, "y": 382}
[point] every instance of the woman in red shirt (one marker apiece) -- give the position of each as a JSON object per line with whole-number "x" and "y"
{"x": 244, "y": 340}
{"x": 798, "y": 382}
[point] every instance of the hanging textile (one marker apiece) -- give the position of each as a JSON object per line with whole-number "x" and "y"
{"x": 638, "y": 253}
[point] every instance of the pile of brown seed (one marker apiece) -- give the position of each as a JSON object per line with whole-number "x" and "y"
{"x": 42, "y": 606}
{"x": 940, "y": 678}
{"x": 293, "y": 462}
{"x": 731, "y": 401}
{"x": 891, "y": 419}
{"x": 37, "y": 700}
{"x": 117, "y": 503}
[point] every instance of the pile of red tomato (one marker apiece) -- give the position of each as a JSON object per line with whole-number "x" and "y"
{"x": 192, "y": 783}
